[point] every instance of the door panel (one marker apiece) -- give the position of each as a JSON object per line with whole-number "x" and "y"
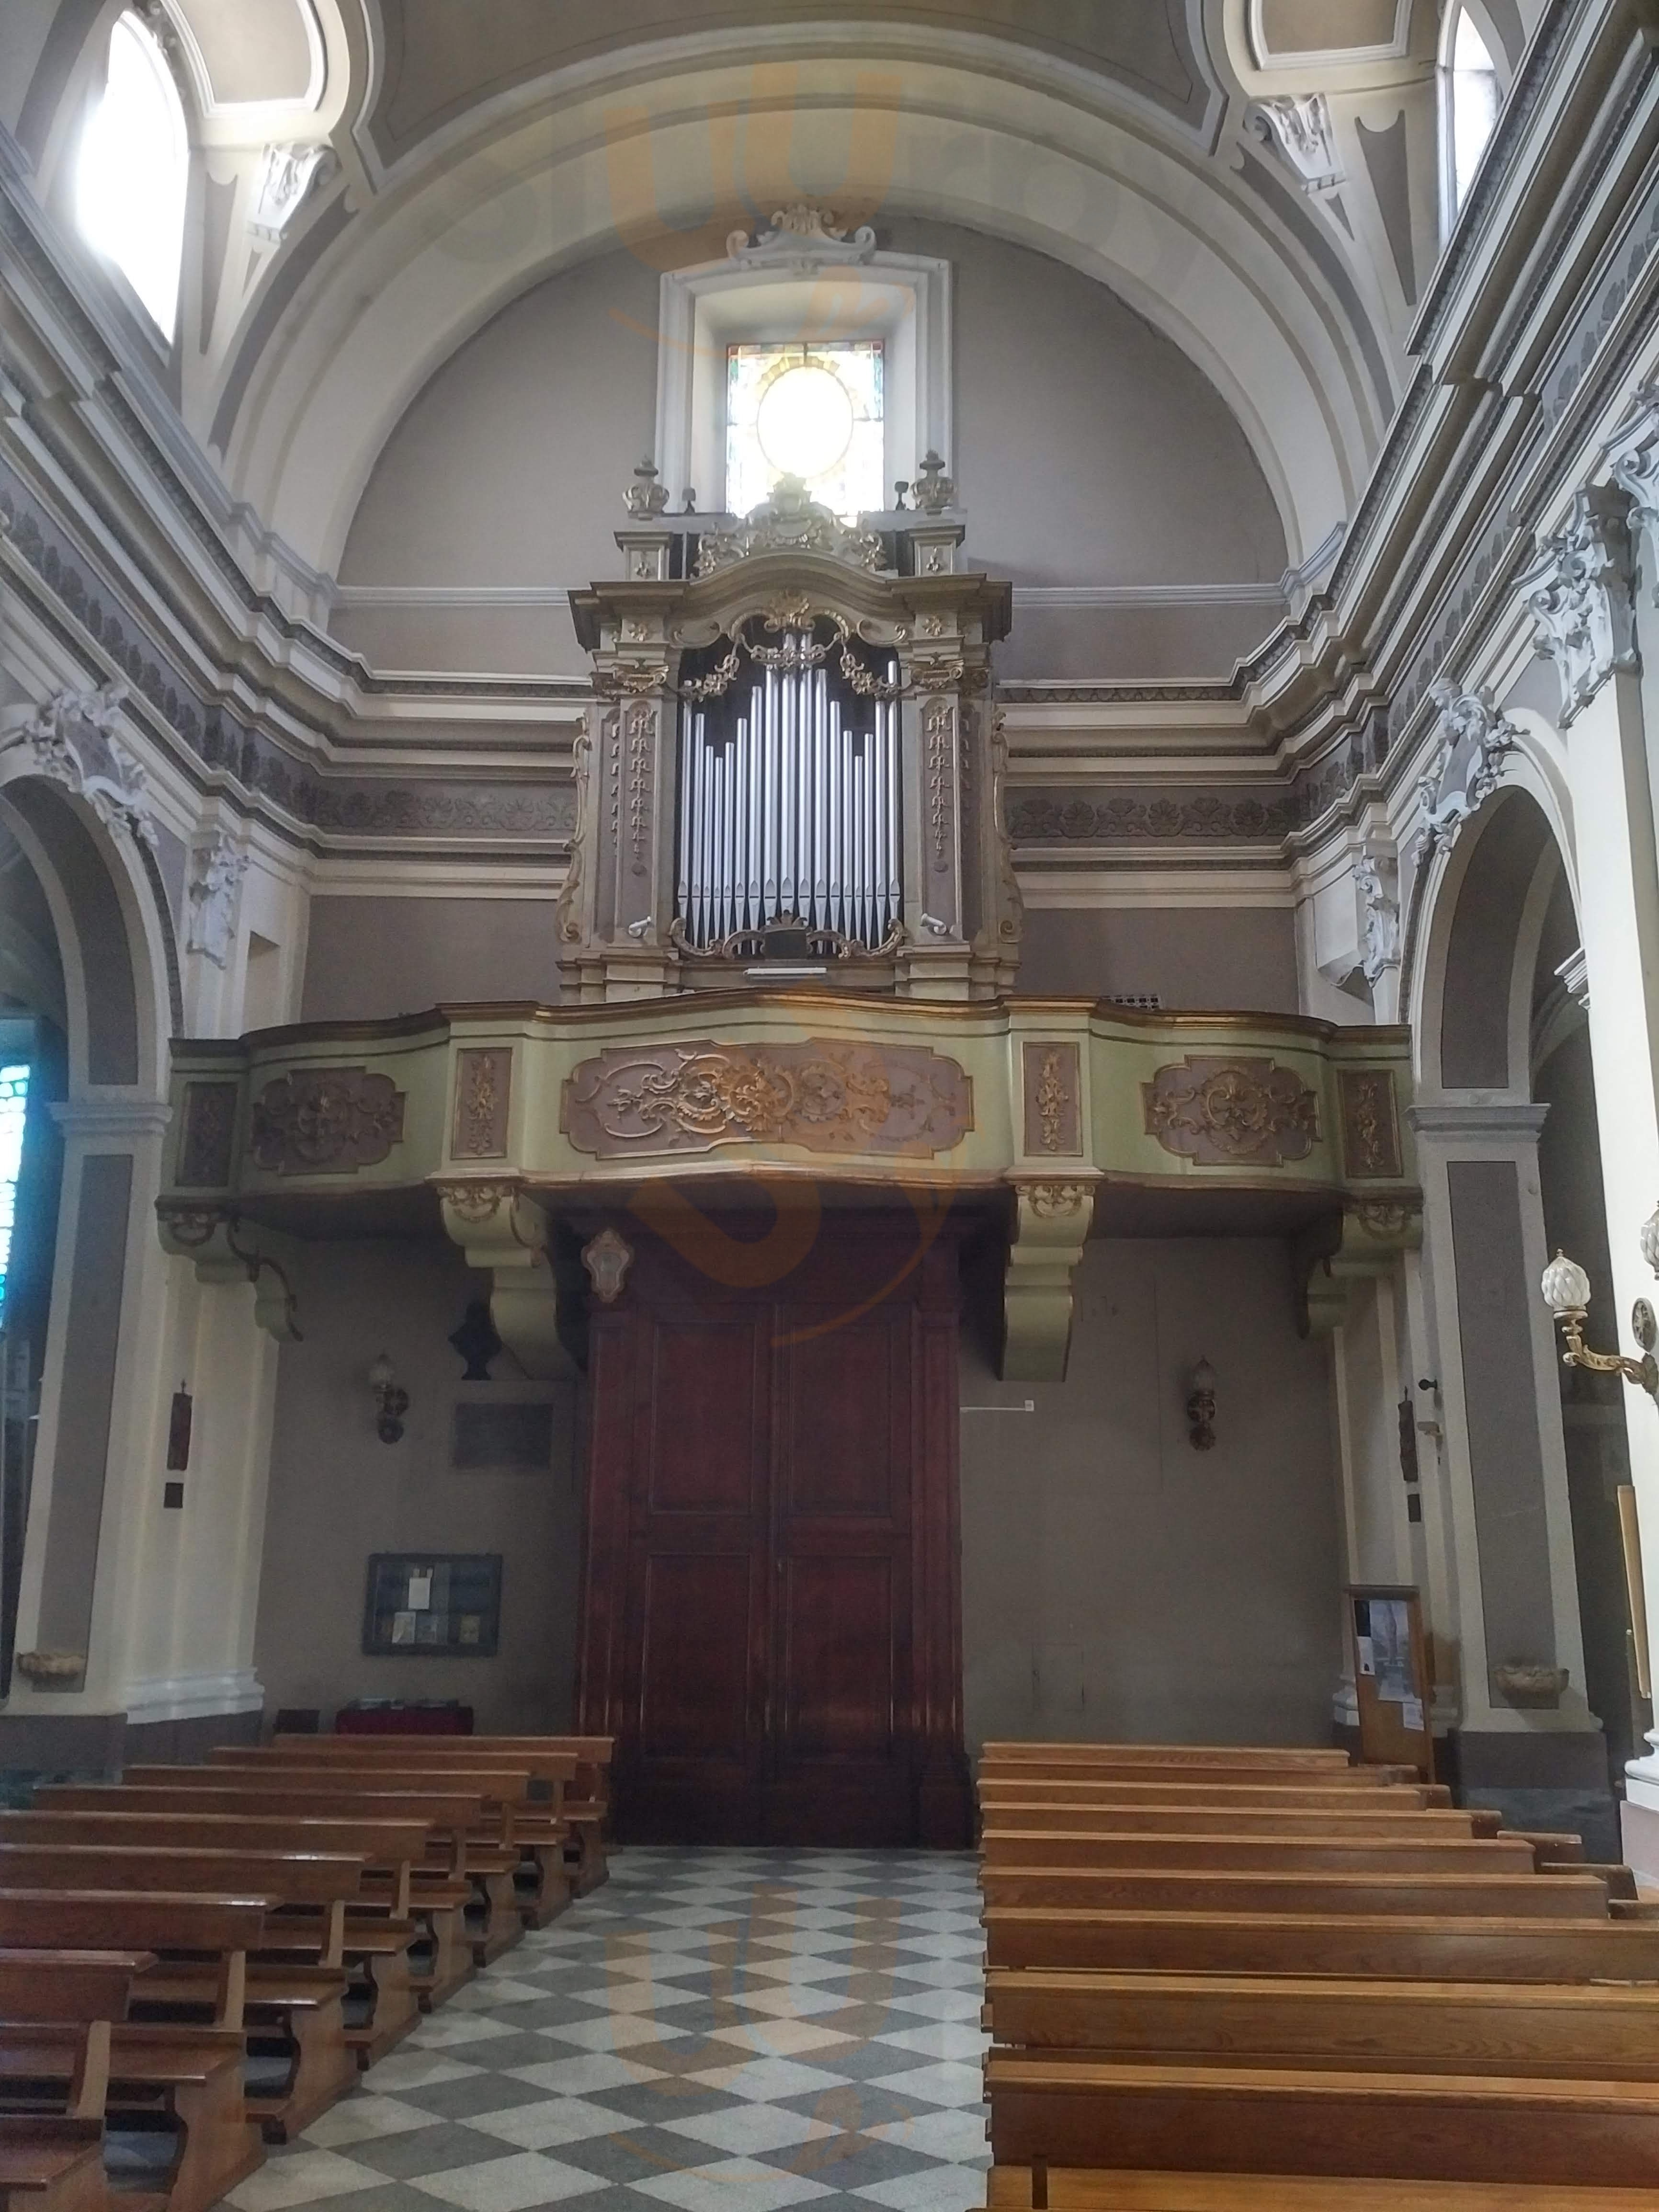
{"x": 694, "y": 1676}
{"x": 838, "y": 1637}
{"x": 701, "y": 1453}
{"x": 839, "y": 1440}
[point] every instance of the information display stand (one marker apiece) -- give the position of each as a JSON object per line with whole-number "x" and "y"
{"x": 1391, "y": 1676}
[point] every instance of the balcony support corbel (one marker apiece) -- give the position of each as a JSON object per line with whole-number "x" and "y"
{"x": 506, "y": 1234}
{"x": 1051, "y": 1225}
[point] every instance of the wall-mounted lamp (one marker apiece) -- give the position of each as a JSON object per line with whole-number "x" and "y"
{"x": 1200, "y": 1406}
{"x": 1566, "y": 1289}
{"x": 391, "y": 1401}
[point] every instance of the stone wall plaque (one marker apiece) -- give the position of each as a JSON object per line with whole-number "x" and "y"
{"x": 1226, "y": 1113}
{"x": 329, "y": 1121}
{"x": 1053, "y": 1099}
{"x": 207, "y": 1150}
{"x": 483, "y": 1093}
{"x": 826, "y": 1094}
{"x": 1370, "y": 1126}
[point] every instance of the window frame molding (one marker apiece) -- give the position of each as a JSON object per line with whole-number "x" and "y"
{"x": 905, "y": 301}
{"x": 1446, "y": 100}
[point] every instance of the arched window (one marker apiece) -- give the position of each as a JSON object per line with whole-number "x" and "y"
{"x": 1471, "y": 96}
{"x": 134, "y": 169}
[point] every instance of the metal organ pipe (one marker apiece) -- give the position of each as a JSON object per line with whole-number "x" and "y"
{"x": 790, "y": 809}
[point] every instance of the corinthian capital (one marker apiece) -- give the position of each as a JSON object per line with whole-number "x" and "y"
{"x": 1579, "y": 590}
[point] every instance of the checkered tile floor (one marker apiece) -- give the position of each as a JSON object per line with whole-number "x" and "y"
{"x": 714, "y": 2031}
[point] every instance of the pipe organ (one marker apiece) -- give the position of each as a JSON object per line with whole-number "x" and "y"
{"x": 788, "y": 796}
{"x": 792, "y": 768}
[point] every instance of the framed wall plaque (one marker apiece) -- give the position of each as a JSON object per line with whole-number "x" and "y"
{"x": 432, "y": 1604}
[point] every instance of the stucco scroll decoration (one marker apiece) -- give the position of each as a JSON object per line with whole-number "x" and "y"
{"x": 1376, "y": 877}
{"x": 1056, "y": 1201}
{"x": 802, "y": 236}
{"x": 1474, "y": 737}
{"x": 72, "y": 739}
{"x": 1632, "y": 456}
{"x": 328, "y": 1121}
{"x": 1232, "y": 1113}
{"x": 286, "y": 175}
{"x": 607, "y": 1258}
{"x": 1298, "y": 126}
{"x": 1579, "y": 590}
{"x": 217, "y": 871}
{"x": 825, "y": 1095}
{"x": 791, "y": 521}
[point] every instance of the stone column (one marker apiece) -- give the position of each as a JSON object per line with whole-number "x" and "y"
{"x": 1538, "y": 1753}
{"x": 1585, "y": 608}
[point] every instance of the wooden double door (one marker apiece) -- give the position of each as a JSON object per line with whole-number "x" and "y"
{"x": 771, "y": 1589}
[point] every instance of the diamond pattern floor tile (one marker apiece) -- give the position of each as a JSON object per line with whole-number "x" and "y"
{"x": 714, "y": 2031}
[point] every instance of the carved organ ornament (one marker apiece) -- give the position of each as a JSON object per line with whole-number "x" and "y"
{"x": 790, "y": 770}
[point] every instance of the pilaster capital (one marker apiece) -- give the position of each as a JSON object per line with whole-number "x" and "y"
{"x": 1579, "y": 589}
{"x": 1454, "y": 1127}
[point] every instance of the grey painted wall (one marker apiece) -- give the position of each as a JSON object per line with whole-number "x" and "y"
{"x": 365, "y": 957}
{"x": 1207, "y": 956}
{"x": 1089, "y": 449}
{"x": 337, "y": 1494}
{"x": 1117, "y": 1583}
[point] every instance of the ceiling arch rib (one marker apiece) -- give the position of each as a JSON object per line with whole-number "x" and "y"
{"x": 426, "y": 267}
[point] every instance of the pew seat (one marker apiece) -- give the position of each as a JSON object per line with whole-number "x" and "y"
{"x": 189, "y": 2078}
{"x": 1443, "y": 1947}
{"x": 1086, "y": 2189}
{"x": 1351, "y": 1854}
{"x": 1401, "y": 2127}
{"x": 1076, "y": 1890}
{"x": 1420, "y": 2027}
{"x": 49, "y": 2165}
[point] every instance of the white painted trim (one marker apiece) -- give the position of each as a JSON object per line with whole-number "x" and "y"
{"x": 112, "y": 1117}
{"x": 194, "y": 1697}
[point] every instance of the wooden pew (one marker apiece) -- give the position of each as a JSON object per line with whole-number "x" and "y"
{"x": 291, "y": 2009}
{"x": 1046, "y": 1772}
{"x": 438, "y": 1890}
{"x": 1444, "y": 1948}
{"x": 523, "y": 1796}
{"x": 1063, "y": 2189}
{"x": 1278, "y": 1795}
{"x": 1317, "y": 1757}
{"x": 1562, "y": 1896}
{"x": 1027, "y": 1849}
{"x": 587, "y": 1799}
{"x": 55, "y": 2157}
{"x": 1464, "y": 2127}
{"x": 1508, "y": 2029}
{"x": 1206, "y": 1820}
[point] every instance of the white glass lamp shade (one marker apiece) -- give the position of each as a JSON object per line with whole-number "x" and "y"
{"x": 379, "y": 1372}
{"x": 1203, "y": 1382}
{"x": 1565, "y": 1286}
{"x": 1648, "y": 1237}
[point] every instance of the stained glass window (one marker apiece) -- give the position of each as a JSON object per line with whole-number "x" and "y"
{"x": 14, "y": 1099}
{"x": 812, "y": 411}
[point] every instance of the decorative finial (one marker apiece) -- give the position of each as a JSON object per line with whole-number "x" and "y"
{"x": 901, "y": 485}
{"x": 645, "y": 497}
{"x": 935, "y": 491}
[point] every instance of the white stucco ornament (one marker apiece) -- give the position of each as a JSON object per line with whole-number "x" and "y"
{"x": 215, "y": 889}
{"x": 1579, "y": 590}
{"x": 1376, "y": 879}
{"x": 1298, "y": 126}
{"x": 1474, "y": 737}
{"x": 70, "y": 739}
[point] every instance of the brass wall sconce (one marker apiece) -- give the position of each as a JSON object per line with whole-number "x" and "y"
{"x": 1566, "y": 1289}
{"x": 1200, "y": 1408}
{"x": 391, "y": 1401}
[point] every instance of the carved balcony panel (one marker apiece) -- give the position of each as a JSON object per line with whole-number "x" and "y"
{"x": 511, "y": 1129}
